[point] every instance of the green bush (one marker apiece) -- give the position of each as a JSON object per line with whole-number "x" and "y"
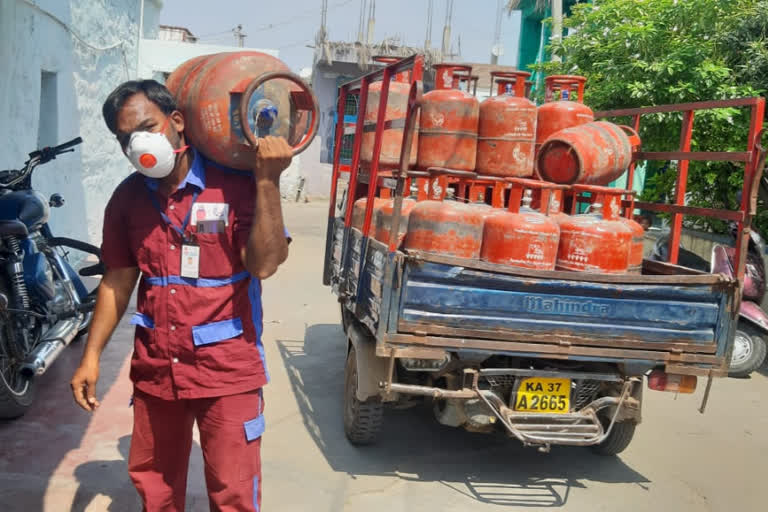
{"x": 638, "y": 53}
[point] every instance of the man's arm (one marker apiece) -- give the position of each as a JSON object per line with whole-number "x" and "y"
{"x": 111, "y": 301}
{"x": 267, "y": 245}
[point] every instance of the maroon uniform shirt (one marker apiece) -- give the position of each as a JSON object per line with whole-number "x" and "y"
{"x": 195, "y": 337}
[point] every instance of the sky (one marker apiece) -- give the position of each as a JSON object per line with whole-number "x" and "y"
{"x": 290, "y": 25}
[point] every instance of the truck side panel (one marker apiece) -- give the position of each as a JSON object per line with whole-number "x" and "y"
{"x": 436, "y": 297}
{"x": 366, "y": 284}
{"x": 640, "y": 320}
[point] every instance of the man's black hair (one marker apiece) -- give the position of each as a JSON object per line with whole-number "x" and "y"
{"x": 155, "y": 92}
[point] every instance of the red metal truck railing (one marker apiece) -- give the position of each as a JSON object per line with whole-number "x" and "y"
{"x": 753, "y": 158}
{"x": 360, "y": 87}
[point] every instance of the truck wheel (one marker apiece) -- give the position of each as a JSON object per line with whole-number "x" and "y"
{"x": 618, "y": 440}
{"x": 749, "y": 348}
{"x": 362, "y": 419}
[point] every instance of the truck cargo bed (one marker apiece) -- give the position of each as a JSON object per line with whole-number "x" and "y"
{"x": 669, "y": 314}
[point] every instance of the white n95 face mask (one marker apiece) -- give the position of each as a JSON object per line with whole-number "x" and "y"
{"x": 152, "y": 154}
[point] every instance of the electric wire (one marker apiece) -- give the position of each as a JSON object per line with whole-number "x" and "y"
{"x": 269, "y": 26}
{"x": 101, "y": 49}
{"x": 69, "y": 29}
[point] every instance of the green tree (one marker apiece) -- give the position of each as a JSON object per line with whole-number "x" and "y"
{"x": 651, "y": 52}
{"x": 745, "y": 43}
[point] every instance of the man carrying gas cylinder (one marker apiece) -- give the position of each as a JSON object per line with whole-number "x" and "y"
{"x": 201, "y": 237}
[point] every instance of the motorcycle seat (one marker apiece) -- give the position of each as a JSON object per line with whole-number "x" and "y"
{"x": 13, "y": 228}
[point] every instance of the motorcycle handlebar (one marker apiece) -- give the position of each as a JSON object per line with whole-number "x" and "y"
{"x": 56, "y": 150}
{"x": 36, "y": 158}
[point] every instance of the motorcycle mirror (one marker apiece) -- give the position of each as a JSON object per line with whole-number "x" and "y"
{"x": 56, "y": 201}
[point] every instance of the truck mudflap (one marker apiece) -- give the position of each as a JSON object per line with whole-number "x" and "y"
{"x": 584, "y": 427}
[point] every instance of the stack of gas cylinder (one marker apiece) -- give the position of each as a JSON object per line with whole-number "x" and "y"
{"x": 528, "y": 160}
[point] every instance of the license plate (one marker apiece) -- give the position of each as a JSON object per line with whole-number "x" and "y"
{"x": 540, "y": 394}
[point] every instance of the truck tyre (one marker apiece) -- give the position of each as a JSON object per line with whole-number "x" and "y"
{"x": 749, "y": 348}
{"x": 618, "y": 440}
{"x": 362, "y": 419}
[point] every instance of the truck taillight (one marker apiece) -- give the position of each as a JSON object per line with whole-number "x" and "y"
{"x": 662, "y": 381}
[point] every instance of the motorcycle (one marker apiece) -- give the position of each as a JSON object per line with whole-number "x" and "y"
{"x": 750, "y": 343}
{"x": 44, "y": 304}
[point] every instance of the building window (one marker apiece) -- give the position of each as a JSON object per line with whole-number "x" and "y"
{"x": 48, "y": 123}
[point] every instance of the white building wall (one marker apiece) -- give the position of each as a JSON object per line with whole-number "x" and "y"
{"x": 325, "y": 85}
{"x": 37, "y": 36}
{"x": 152, "y": 10}
{"x": 511, "y": 39}
{"x": 173, "y": 34}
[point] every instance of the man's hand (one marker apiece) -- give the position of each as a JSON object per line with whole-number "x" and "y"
{"x": 272, "y": 158}
{"x": 84, "y": 384}
{"x": 111, "y": 300}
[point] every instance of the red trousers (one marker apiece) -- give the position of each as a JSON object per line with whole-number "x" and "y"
{"x": 230, "y": 436}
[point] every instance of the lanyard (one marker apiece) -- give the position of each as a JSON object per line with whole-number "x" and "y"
{"x": 183, "y": 228}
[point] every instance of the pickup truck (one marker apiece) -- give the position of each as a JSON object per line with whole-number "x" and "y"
{"x": 552, "y": 358}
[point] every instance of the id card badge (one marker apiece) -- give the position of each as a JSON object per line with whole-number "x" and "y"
{"x": 190, "y": 261}
{"x": 210, "y": 217}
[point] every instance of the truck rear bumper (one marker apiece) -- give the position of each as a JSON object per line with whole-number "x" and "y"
{"x": 577, "y": 428}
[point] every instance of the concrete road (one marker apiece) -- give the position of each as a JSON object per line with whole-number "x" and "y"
{"x": 58, "y": 458}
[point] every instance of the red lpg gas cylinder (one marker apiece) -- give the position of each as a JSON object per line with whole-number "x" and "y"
{"x": 522, "y": 237}
{"x": 593, "y": 154}
{"x": 554, "y": 116}
{"x": 637, "y": 251}
{"x": 358, "y": 212}
{"x": 397, "y": 107}
{"x": 556, "y": 194}
{"x": 387, "y": 211}
{"x": 449, "y": 118}
{"x": 173, "y": 82}
{"x": 450, "y": 228}
{"x": 507, "y": 130}
{"x": 386, "y": 214}
{"x": 484, "y": 187}
{"x": 477, "y": 193}
{"x": 460, "y": 78}
{"x": 613, "y": 201}
{"x": 557, "y": 205}
{"x": 597, "y": 241}
{"x": 218, "y": 92}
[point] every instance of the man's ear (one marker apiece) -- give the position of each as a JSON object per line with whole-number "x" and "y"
{"x": 177, "y": 120}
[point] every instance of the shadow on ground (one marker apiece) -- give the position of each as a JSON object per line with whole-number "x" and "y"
{"x": 35, "y": 447}
{"x": 110, "y": 479}
{"x": 764, "y": 368}
{"x": 413, "y": 446}
{"x": 106, "y": 478}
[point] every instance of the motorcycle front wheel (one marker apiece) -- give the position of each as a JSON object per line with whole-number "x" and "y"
{"x": 749, "y": 349}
